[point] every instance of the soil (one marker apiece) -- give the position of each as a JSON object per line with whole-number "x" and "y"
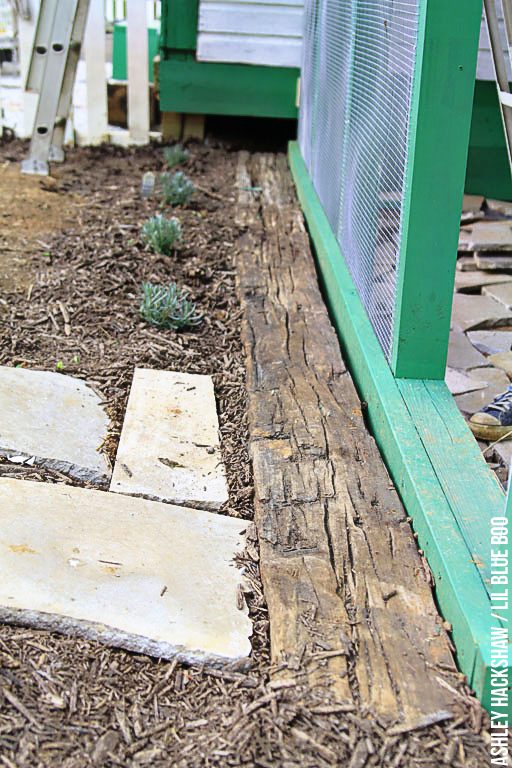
{"x": 73, "y": 703}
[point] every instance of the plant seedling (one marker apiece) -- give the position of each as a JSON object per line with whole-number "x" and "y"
{"x": 175, "y": 155}
{"x": 161, "y": 234}
{"x": 176, "y": 189}
{"x": 168, "y": 306}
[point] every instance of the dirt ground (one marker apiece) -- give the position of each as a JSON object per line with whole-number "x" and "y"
{"x": 72, "y": 703}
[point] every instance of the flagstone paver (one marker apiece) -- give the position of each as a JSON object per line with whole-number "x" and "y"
{"x": 500, "y": 293}
{"x": 475, "y": 312}
{"x": 57, "y": 419}
{"x": 491, "y": 342}
{"x": 461, "y": 352}
{"x": 497, "y": 382}
{"x": 133, "y": 573}
{"x": 169, "y": 448}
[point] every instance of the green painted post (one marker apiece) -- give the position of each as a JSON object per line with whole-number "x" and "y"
{"x": 438, "y": 145}
{"x": 179, "y": 25}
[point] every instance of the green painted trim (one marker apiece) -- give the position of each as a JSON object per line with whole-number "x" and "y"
{"x": 488, "y": 169}
{"x": 190, "y": 86}
{"x": 119, "y": 55}
{"x": 460, "y": 590}
{"x": 179, "y": 20}
{"x": 453, "y": 452}
{"x": 438, "y": 144}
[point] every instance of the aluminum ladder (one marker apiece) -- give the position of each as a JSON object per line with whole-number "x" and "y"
{"x": 499, "y": 58}
{"x": 51, "y": 74}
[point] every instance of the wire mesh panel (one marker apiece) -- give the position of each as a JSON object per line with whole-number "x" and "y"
{"x": 356, "y": 88}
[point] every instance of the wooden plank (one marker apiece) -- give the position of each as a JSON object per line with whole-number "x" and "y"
{"x": 195, "y": 87}
{"x": 95, "y": 56}
{"x": 179, "y": 25}
{"x": 270, "y": 50}
{"x": 443, "y": 432}
{"x": 460, "y": 591}
{"x": 438, "y": 147}
{"x": 340, "y": 567}
{"x": 283, "y": 20}
{"x": 138, "y": 82}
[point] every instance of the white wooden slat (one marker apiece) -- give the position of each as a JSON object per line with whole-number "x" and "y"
{"x": 96, "y": 85}
{"x": 296, "y": 3}
{"x": 259, "y": 19}
{"x": 138, "y": 84}
{"x": 246, "y": 49}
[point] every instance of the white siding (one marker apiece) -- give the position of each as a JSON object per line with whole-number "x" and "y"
{"x": 267, "y": 32}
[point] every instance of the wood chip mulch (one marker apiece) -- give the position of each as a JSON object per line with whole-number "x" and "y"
{"x": 71, "y": 703}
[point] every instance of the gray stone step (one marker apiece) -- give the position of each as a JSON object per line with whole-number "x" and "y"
{"x": 461, "y": 352}
{"x": 486, "y": 236}
{"x": 497, "y": 382}
{"x": 500, "y": 293}
{"x": 169, "y": 448}
{"x": 57, "y": 419}
{"x": 475, "y": 312}
{"x": 132, "y": 573}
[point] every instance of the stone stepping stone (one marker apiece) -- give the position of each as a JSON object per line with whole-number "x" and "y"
{"x": 491, "y": 342}
{"x": 500, "y": 293}
{"x": 459, "y": 382}
{"x": 486, "y": 236}
{"x": 471, "y": 282}
{"x": 497, "y": 381}
{"x": 475, "y": 312}
{"x": 57, "y": 419}
{"x": 502, "y": 360}
{"x": 461, "y": 353}
{"x": 131, "y": 573}
{"x": 169, "y": 448}
{"x": 494, "y": 262}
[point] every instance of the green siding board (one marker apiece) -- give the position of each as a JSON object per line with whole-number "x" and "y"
{"x": 189, "y": 86}
{"x": 460, "y": 591}
{"x": 438, "y": 145}
{"x": 488, "y": 169}
{"x": 179, "y": 25}
{"x": 119, "y": 59}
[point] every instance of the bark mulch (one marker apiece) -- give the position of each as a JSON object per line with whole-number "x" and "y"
{"x": 69, "y": 702}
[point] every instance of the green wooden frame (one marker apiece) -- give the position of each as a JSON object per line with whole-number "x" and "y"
{"x": 197, "y": 87}
{"x": 423, "y": 439}
{"x": 438, "y": 140}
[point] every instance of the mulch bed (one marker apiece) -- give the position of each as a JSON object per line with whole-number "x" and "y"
{"x": 73, "y": 703}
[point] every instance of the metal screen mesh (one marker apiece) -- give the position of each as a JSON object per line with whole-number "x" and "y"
{"x": 356, "y": 86}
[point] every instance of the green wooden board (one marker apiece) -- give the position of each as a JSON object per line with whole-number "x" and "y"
{"x": 438, "y": 143}
{"x": 190, "y": 86}
{"x": 488, "y": 170}
{"x": 460, "y": 590}
{"x": 179, "y": 22}
{"x": 454, "y": 453}
{"x": 119, "y": 58}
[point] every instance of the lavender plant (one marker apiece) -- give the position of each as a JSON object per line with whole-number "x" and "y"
{"x": 168, "y": 307}
{"x": 176, "y": 189}
{"x": 175, "y": 155}
{"x": 161, "y": 234}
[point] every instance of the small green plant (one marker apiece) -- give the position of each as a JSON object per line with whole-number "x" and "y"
{"x": 59, "y": 365}
{"x": 176, "y": 189}
{"x": 168, "y": 306}
{"x": 175, "y": 155}
{"x": 161, "y": 234}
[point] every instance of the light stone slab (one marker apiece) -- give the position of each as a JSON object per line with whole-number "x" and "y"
{"x": 475, "y": 312}
{"x": 55, "y": 418}
{"x": 502, "y": 360}
{"x": 497, "y": 382}
{"x": 471, "y": 282}
{"x": 461, "y": 353}
{"x": 500, "y": 293}
{"x": 459, "y": 382}
{"x": 486, "y": 236}
{"x": 137, "y": 574}
{"x": 169, "y": 448}
{"x": 491, "y": 342}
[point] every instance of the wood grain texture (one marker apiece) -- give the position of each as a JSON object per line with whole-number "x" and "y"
{"x": 346, "y": 587}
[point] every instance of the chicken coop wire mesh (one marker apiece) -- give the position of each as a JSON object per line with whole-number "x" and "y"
{"x": 355, "y": 113}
